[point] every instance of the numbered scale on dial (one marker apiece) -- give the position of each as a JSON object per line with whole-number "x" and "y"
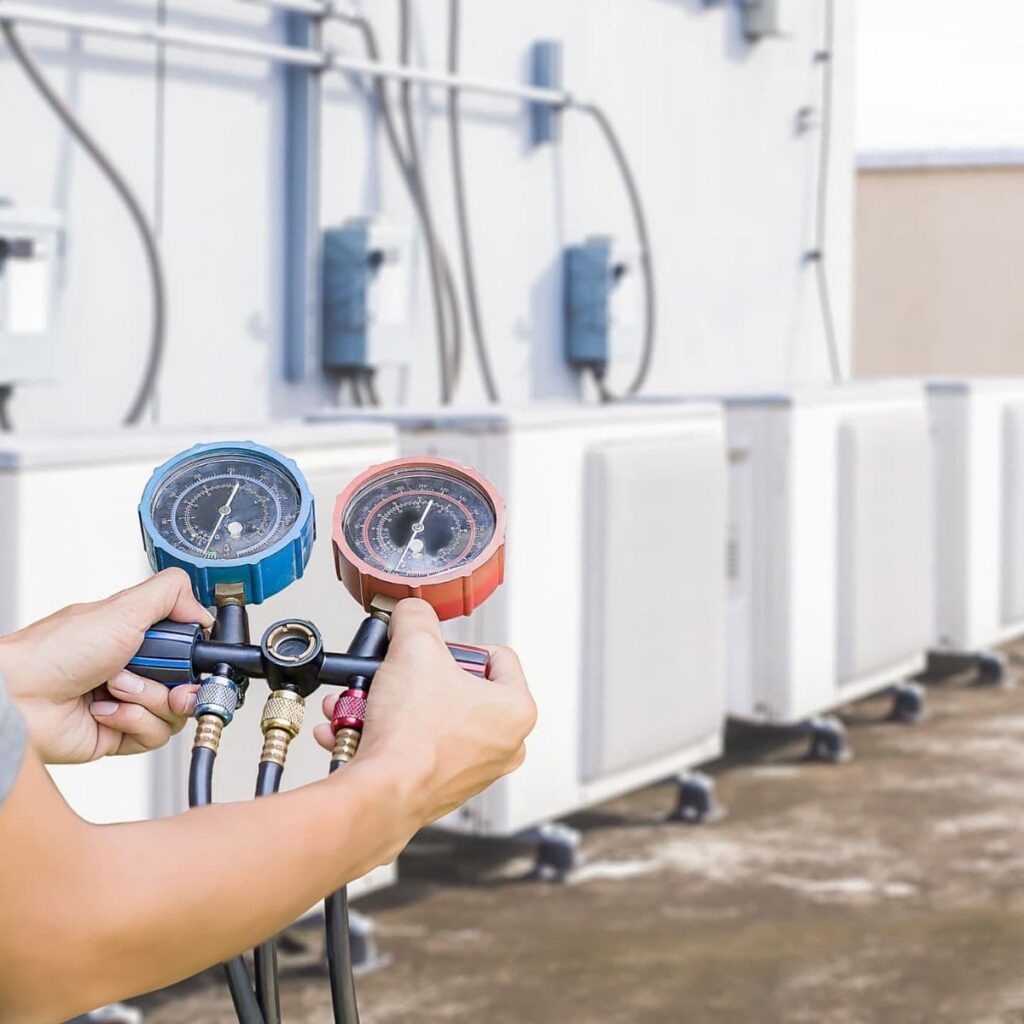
{"x": 229, "y": 513}
{"x": 421, "y": 527}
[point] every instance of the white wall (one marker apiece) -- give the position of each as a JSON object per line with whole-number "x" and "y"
{"x": 708, "y": 120}
{"x": 940, "y": 75}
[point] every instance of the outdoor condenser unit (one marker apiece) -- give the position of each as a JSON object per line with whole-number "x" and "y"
{"x": 829, "y": 547}
{"x": 614, "y": 593}
{"x": 978, "y": 445}
{"x": 69, "y": 532}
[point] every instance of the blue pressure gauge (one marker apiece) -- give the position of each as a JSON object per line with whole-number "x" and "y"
{"x": 233, "y": 512}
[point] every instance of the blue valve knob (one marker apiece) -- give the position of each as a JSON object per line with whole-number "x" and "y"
{"x": 166, "y": 653}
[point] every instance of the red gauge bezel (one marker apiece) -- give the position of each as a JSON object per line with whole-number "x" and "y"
{"x": 451, "y": 594}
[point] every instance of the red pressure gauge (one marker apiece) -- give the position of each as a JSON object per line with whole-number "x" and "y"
{"x": 420, "y": 527}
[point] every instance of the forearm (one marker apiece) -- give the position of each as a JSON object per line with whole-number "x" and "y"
{"x": 149, "y": 903}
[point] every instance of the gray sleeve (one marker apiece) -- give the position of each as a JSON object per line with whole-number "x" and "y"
{"x": 12, "y": 742}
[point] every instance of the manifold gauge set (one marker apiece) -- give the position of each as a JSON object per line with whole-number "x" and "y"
{"x": 238, "y": 518}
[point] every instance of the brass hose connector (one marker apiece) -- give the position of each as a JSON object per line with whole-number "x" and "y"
{"x": 346, "y": 745}
{"x": 282, "y": 719}
{"x": 208, "y": 732}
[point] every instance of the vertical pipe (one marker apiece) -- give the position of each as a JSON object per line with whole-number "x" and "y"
{"x": 302, "y": 203}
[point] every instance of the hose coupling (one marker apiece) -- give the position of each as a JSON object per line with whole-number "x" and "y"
{"x": 282, "y": 719}
{"x": 346, "y": 745}
{"x": 218, "y": 695}
{"x": 208, "y": 730}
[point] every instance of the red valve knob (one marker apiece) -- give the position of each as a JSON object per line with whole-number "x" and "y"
{"x": 349, "y": 710}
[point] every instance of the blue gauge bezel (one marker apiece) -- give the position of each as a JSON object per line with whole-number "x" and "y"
{"x": 264, "y": 574}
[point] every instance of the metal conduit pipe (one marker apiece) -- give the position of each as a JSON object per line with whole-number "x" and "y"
{"x": 124, "y": 28}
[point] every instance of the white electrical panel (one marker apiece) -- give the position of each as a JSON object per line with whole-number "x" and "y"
{"x": 30, "y": 246}
{"x": 829, "y": 547}
{"x": 614, "y": 595}
{"x": 977, "y": 430}
{"x": 105, "y": 550}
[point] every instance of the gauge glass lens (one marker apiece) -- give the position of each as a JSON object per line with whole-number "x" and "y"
{"x": 226, "y": 505}
{"x": 419, "y": 521}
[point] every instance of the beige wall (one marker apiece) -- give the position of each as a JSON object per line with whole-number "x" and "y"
{"x": 939, "y": 271}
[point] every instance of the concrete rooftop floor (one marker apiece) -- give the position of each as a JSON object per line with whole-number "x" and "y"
{"x": 888, "y": 889}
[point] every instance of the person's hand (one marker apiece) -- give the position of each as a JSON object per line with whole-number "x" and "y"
{"x": 441, "y": 733}
{"x": 66, "y": 673}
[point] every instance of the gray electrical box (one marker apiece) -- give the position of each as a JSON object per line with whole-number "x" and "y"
{"x": 30, "y": 245}
{"x": 763, "y": 18}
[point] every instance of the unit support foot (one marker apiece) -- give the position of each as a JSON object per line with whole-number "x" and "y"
{"x": 828, "y": 744}
{"x": 362, "y": 937}
{"x": 908, "y": 705}
{"x": 696, "y": 803}
{"x": 557, "y": 851}
{"x": 989, "y": 667}
{"x": 992, "y": 669}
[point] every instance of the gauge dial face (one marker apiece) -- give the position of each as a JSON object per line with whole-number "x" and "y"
{"x": 419, "y": 521}
{"x": 226, "y": 505}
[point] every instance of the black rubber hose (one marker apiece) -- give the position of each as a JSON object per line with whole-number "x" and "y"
{"x": 825, "y": 57}
{"x": 154, "y": 263}
{"x": 268, "y": 782}
{"x": 643, "y": 237}
{"x": 200, "y": 794}
{"x": 339, "y": 953}
{"x": 200, "y": 777}
{"x": 370, "y": 641}
{"x": 461, "y": 210}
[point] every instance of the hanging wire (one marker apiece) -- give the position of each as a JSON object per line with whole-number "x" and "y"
{"x": 446, "y": 305}
{"x": 646, "y": 258}
{"x": 462, "y": 214}
{"x": 825, "y": 57}
{"x": 154, "y": 263}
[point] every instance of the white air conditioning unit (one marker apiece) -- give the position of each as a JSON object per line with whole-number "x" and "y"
{"x": 614, "y": 594}
{"x": 829, "y": 547}
{"x": 978, "y": 445}
{"x": 69, "y": 532}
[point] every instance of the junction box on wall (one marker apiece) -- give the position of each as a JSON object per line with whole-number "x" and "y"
{"x": 29, "y": 254}
{"x": 602, "y": 303}
{"x": 366, "y": 267}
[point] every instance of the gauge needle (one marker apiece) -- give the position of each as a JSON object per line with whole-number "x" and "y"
{"x": 416, "y": 531}
{"x": 225, "y": 511}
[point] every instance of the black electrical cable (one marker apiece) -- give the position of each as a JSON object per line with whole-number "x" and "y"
{"x": 643, "y": 237}
{"x": 448, "y": 293}
{"x": 825, "y": 57}
{"x": 462, "y": 214}
{"x": 371, "y": 387}
{"x": 448, "y": 320}
{"x": 6, "y": 391}
{"x": 339, "y": 952}
{"x": 268, "y": 782}
{"x": 200, "y": 794}
{"x": 138, "y": 216}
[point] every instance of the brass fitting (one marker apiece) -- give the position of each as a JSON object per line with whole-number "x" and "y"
{"x": 382, "y": 607}
{"x": 282, "y": 719}
{"x": 229, "y": 593}
{"x": 208, "y": 731}
{"x": 346, "y": 745}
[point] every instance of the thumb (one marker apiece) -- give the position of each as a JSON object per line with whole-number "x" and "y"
{"x": 415, "y": 630}
{"x": 167, "y": 595}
